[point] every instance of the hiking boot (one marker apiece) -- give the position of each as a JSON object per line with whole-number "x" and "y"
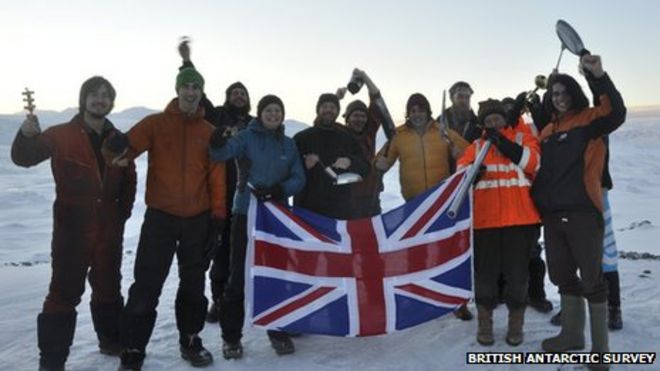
{"x": 46, "y": 368}
{"x": 556, "y": 319}
{"x": 463, "y": 313}
{"x": 232, "y": 350}
{"x": 541, "y": 305}
{"x": 109, "y": 347}
{"x": 281, "y": 342}
{"x": 514, "y": 335}
{"x": 614, "y": 320}
{"x": 213, "y": 315}
{"x": 131, "y": 359}
{"x": 573, "y": 320}
{"x": 193, "y": 352}
{"x": 485, "y": 326}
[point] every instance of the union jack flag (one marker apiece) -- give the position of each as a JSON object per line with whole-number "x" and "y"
{"x": 306, "y": 273}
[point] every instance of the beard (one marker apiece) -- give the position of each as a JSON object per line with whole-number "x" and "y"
{"x": 418, "y": 122}
{"x": 461, "y": 113}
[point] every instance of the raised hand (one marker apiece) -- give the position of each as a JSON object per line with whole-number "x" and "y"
{"x": 30, "y": 126}
{"x": 184, "y": 49}
{"x": 593, "y": 64}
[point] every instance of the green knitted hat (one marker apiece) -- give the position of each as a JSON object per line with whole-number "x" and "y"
{"x": 187, "y": 75}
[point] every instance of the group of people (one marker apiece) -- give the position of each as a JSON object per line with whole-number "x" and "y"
{"x": 206, "y": 161}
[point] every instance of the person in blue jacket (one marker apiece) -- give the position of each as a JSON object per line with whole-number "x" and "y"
{"x": 275, "y": 173}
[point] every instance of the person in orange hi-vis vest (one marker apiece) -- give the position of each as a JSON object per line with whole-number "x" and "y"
{"x": 505, "y": 219}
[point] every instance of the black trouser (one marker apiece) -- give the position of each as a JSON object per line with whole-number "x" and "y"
{"x": 232, "y": 315}
{"x": 220, "y": 265}
{"x": 161, "y": 237}
{"x": 613, "y": 288}
{"x": 574, "y": 241}
{"x": 536, "y": 288}
{"x": 504, "y": 251}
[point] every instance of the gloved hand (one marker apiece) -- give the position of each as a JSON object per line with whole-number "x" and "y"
{"x": 118, "y": 142}
{"x": 114, "y": 148}
{"x": 218, "y": 138}
{"x": 516, "y": 110}
{"x": 508, "y": 148}
{"x": 492, "y": 134}
{"x": 480, "y": 173}
{"x": 273, "y": 193}
{"x": 214, "y": 238}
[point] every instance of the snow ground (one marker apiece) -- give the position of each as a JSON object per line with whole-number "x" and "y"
{"x": 25, "y": 225}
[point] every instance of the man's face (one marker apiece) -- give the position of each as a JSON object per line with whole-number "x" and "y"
{"x": 328, "y": 113}
{"x": 99, "y": 103}
{"x": 238, "y": 97}
{"x": 418, "y": 116}
{"x": 461, "y": 98}
{"x": 495, "y": 121}
{"x": 508, "y": 107}
{"x": 189, "y": 96}
{"x": 560, "y": 98}
{"x": 357, "y": 120}
{"x": 272, "y": 116}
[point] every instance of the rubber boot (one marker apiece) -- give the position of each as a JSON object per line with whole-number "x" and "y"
{"x": 55, "y": 335}
{"x": 573, "y": 319}
{"x": 514, "y": 335}
{"x": 485, "y": 326}
{"x": 599, "y": 334}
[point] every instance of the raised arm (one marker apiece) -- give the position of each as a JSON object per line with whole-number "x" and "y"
{"x": 30, "y": 146}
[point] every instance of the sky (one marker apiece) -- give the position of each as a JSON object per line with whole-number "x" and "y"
{"x": 299, "y": 49}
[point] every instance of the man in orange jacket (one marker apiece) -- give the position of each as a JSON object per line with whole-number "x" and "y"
{"x": 505, "y": 219}
{"x": 185, "y": 197}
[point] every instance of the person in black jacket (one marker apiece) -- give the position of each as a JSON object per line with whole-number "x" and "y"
{"x": 327, "y": 144}
{"x": 234, "y": 116}
{"x": 568, "y": 194}
{"x": 460, "y": 116}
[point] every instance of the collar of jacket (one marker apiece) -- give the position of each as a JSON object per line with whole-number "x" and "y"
{"x": 78, "y": 120}
{"x": 429, "y": 125}
{"x": 556, "y": 120}
{"x": 258, "y": 126}
{"x": 173, "y": 108}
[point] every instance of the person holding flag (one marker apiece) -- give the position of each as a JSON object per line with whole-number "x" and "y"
{"x": 505, "y": 219}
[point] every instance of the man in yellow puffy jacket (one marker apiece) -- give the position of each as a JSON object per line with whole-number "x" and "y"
{"x": 425, "y": 151}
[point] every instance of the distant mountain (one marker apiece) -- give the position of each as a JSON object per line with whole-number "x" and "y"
{"x": 644, "y": 112}
{"x": 123, "y": 120}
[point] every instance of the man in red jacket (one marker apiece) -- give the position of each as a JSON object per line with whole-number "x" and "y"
{"x": 92, "y": 203}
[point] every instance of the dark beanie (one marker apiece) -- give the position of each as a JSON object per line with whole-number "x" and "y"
{"x": 356, "y": 105}
{"x": 327, "y": 97}
{"x": 458, "y": 85}
{"x": 420, "y": 101}
{"x": 508, "y": 100}
{"x": 91, "y": 85}
{"x": 266, "y": 100}
{"x": 489, "y": 107}
{"x": 189, "y": 75}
